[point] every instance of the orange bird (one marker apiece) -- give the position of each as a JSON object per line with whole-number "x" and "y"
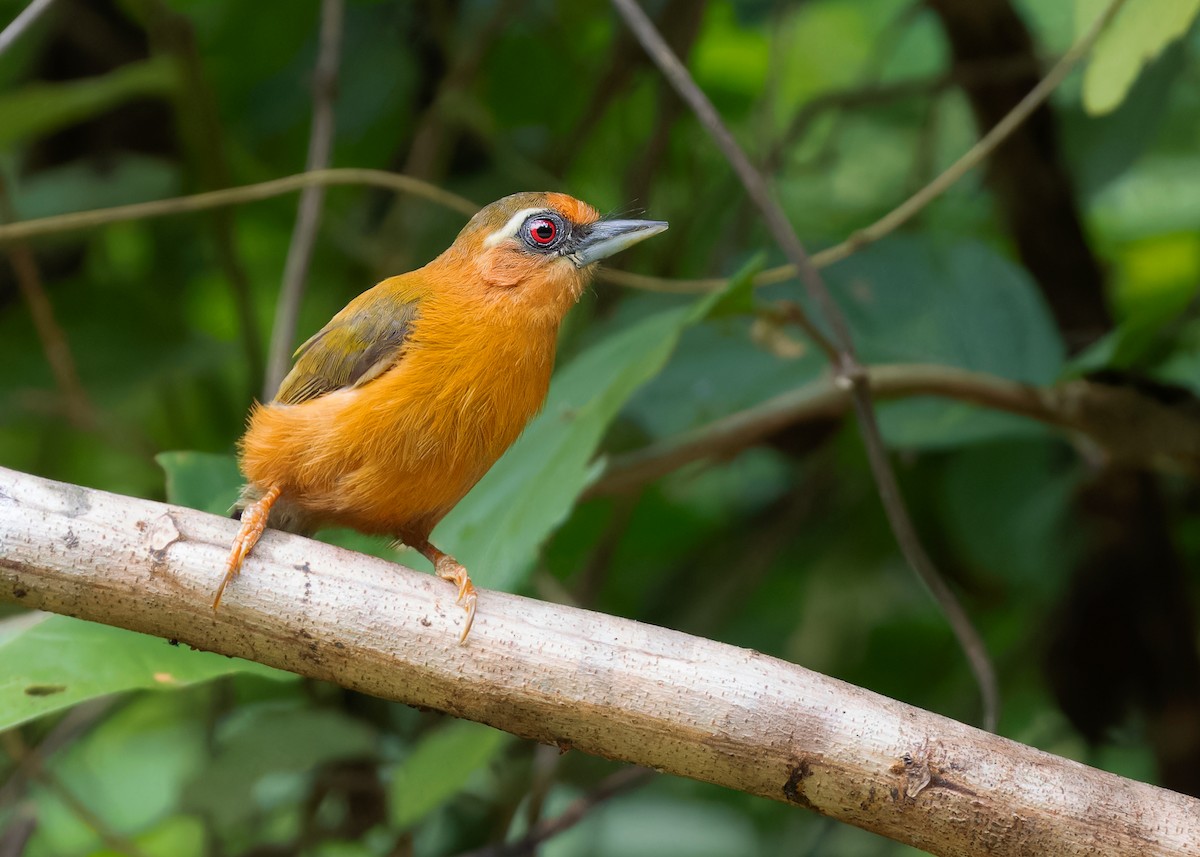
{"x": 400, "y": 404}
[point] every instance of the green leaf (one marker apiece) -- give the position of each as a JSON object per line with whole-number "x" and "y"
{"x": 1182, "y": 365}
{"x": 266, "y": 740}
{"x": 36, "y": 677}
{"x": 42, "y": 108}
{"x": 1099, "y": 149}
{"x": 962, "y": 304}
{"x": 439, "y": 767}
{"x": 652, "y": 822}
{"x": 1135, "y": 37}
{"x": 201, "y": 480}
{"x": 737, "y": 298}
{"x": 716, "y": 370}
{"x": 497, "y": 529}
{"x": 129, "y": 770}
{"x": 1018, "y": 530}
{"x": 81, "y": 186}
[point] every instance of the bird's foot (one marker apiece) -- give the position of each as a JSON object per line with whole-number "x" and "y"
{"x": 448, "y": 568}
{"x": 254, "y": 521}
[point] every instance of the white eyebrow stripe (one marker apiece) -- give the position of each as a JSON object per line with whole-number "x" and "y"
{"x": 509, "y": 229}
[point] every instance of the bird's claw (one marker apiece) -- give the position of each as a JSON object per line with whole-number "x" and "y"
{"x": 254, "y": 521}
{"x": 450, "y": 569}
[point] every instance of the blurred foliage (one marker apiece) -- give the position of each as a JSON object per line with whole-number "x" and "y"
{"x": 782, "y": 548}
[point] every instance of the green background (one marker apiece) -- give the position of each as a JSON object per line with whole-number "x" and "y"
{"x": 1085, "y": 604}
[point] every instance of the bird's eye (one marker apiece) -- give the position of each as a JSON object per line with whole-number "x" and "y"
{"x": 541, "y": 231}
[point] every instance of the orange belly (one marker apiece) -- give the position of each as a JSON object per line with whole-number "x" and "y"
{"x": 395, "y": 455}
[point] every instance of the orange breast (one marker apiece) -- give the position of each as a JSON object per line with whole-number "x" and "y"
{"x": 398, "y": 453}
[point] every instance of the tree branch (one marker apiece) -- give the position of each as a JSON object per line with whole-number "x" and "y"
{"x": 234, "y": 196}
{"x": 55, "y": 346}
{"x": 20, "y": 24}
{"x": 1128, "y": 425}
{"x": 607, "y": 686}
{"x": 839, "y": 349}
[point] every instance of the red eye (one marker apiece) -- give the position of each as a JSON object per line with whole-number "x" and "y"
{"x": 542, "y": 231}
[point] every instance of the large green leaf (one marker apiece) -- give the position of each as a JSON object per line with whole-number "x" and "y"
{"x": 78, "y": 186}
{"x": 497, "y": 529}
{"x": 960, "y": 304}
{"x": 1138, "y": 34}
{"x": 908, "y": 300}
{"x": 48, "y": 663}
{"x": 271, "y": 739}
{"x": 439, "y": 768}
{"x": 653, "y": 821}
{"x": 129, "y": 771}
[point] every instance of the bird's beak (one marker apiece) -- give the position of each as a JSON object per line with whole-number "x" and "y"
{"x": 606, "y": 237}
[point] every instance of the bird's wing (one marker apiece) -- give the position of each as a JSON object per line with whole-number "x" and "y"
{"x": 359, "y": 344}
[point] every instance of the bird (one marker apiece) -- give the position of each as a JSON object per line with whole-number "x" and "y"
{"x": 399, "y": 405}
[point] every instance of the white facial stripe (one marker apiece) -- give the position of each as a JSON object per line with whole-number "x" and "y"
{"x": 510, "y": 229}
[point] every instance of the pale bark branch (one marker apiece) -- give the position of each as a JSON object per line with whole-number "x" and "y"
{"x": 603, "y": 685}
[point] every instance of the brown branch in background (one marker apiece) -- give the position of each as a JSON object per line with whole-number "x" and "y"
{"x": 20, "y": 24}
{"x": 16, "y": 749}
{"x": 1129, "y": 426}
{"x": 18, "y": 830}
{"x": 199, "y": 127}
{"x": 312, "y": 198}
{"x": 435, "y": 135}
{"x": 680, "y": 26}
{"x": 967, "y": 73}
{"x": 987, "y": 144}
{"x": 842, "y": 356}
{"x": 234, "y": 196}
{"x": 781, "y": 231}
{"x": 821, "y": 399}
{"x": 887, "y": 224}
{"x": 79, "y": 408}
{"x": 77, "y": 720}
{"x": 616, "y": 784}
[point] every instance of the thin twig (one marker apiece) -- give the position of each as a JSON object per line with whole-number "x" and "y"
{"x": 19, "y": 829}
{"x": 822, "y": 398}
{"x": 22, "y": 22}
{"x": 756, "y": 187}
{"x": 613, "y": 785}
{"x": 118, "y": 842}
{"x": 198, "y": 121}
{"x": 887, "y": 224}
{"x": 987, "y": 144}
{"x": 842, "y": 355}
{"x": 312, "y": 198}
{"x": 79, "y": 407}
{"x": 77, "y": 721}
{"x": 990, "y": 71}
{"x": 235, "y": 196}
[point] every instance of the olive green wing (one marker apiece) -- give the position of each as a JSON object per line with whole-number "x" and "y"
{"x": 359, "y": 344}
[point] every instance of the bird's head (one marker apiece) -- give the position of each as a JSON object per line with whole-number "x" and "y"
{"x": 543, "y": 247}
